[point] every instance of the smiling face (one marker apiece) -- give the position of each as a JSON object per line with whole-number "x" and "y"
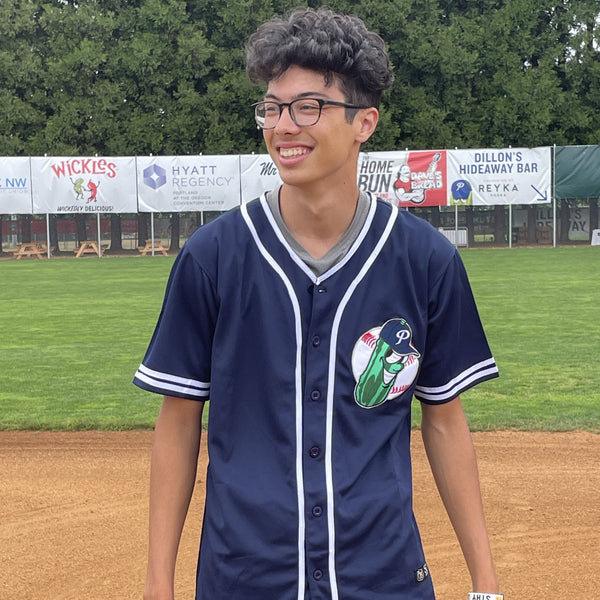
{"x": 322, "y": 154}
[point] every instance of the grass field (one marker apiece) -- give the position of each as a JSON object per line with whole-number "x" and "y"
{"x": 74, "y": 331}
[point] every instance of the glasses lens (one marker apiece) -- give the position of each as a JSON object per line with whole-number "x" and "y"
{"x": 267, "y": 114}
{"x": 305, "y": 111}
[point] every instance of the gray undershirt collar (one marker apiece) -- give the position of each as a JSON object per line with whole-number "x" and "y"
{"x": 321, "y": 265}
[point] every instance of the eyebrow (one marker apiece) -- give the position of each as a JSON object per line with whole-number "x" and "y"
{"x": 299, "y": 96}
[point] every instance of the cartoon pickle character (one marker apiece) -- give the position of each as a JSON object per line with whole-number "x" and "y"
{"x": 390, "y": 356}
{"x": 462, "y": 192}
{"x": 93, "y": 189}
{"x": 78, "y": 188}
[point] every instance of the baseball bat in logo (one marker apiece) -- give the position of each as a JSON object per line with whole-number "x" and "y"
{"x": 384, "y": 363}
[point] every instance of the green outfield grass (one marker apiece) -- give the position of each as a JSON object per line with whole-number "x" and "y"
{"x": 74, "y": 331}
{"x": 541, "y": 311}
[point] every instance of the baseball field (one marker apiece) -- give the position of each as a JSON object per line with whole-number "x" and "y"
{"x": 75, "y": 435}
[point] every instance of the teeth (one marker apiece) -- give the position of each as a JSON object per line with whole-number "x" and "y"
{"x": 289, "y": 152}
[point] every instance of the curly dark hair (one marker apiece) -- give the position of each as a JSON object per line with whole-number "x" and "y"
{"x": 338, "y": 46}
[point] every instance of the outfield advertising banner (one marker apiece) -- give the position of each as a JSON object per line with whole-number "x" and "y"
{"x": 15, "y": 186}
{"x": 188, "y": 183}
{"x": 405, "y": 178}
{"x": 259, "y": 174}
{"x": 505, "y": 176}
{"x": 480, "y": 177}
{"x": 83, "y": 185}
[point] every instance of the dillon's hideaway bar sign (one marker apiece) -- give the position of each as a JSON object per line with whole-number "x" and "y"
{"x": 512, "y": 176}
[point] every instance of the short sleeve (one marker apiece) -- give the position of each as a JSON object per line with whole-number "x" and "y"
{"x": 178, "y": 359}
{"x": 457, "y": 354}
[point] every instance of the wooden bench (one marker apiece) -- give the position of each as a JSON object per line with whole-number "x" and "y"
{"x": 31, "y": 250}
{"x": 149, "y": 247}
{"x": 89, "y": 248}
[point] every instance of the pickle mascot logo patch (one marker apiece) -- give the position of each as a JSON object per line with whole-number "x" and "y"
{"x": 384, "y": 363}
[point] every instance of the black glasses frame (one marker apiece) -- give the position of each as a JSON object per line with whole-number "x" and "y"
{"x": 281, "y": 105}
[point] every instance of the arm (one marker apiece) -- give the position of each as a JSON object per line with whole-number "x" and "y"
{"x": 172, "y": 477}
{"x": 451, "y": 454}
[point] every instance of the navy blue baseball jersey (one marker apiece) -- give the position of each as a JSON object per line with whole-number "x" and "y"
{"x": 310, "y": 381}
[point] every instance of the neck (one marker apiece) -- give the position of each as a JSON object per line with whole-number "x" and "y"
{"x": 318, "y": 222}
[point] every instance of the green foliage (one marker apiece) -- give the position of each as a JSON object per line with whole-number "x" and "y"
{"x": 122, "y": 77}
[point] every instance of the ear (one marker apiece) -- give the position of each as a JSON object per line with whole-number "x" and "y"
{"x": 366, "y": 120}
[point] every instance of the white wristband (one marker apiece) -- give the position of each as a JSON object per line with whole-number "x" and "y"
{"x": 478, "y": 596}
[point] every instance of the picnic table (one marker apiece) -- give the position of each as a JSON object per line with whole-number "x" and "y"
{"x": 89, "y": 248}
{"x": 32, "y": 250}
{"x": 157, "y": 246}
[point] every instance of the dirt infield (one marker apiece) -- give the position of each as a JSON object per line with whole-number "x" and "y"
{"x": 74, "y": 511}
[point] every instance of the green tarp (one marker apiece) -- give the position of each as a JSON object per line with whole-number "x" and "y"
{"x": 577, "y": 172}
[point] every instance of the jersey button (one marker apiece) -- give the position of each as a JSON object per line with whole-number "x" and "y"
{"x": 315, "y": 395}
{"x": 314, "y": 451}
{"x": 316, "y": 341}
{"x": 317, "y": 511}
{"x": 318, "y": 574}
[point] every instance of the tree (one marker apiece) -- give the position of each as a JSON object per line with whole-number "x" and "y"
{"x": 116, "y": 244}
{"x": 21, "y": 88}
{"x": 122, "y": 77}
{"x": 175, "y": 232}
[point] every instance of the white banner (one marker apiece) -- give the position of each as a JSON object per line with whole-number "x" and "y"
{"x": 188, "y": 183}
{"x": 382, "y": 173}
{"x": 83, "y": 185}
{"x": 15, "y": 186}
{"x": 259, "y": 174}
{"x": 506, "y": 176}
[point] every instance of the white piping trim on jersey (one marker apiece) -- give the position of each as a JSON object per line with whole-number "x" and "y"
{"x": 303, "y": 266}
{"x": 450, "y": 390}
{"x": 330, "y": 394}
{"x": 298, "y": 400}
{"x": 357, "y": 242}
{"x": 172, "y": 383}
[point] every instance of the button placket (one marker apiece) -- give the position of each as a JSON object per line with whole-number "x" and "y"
{"x": 315, "y": 490}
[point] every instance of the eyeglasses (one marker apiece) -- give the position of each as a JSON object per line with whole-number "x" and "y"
{"x": 304, "y": 112}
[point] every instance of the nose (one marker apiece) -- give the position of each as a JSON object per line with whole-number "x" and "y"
{"x": 286, "y": 123}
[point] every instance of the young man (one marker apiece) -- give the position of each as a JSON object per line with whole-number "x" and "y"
{"x": 310, "y": 317}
